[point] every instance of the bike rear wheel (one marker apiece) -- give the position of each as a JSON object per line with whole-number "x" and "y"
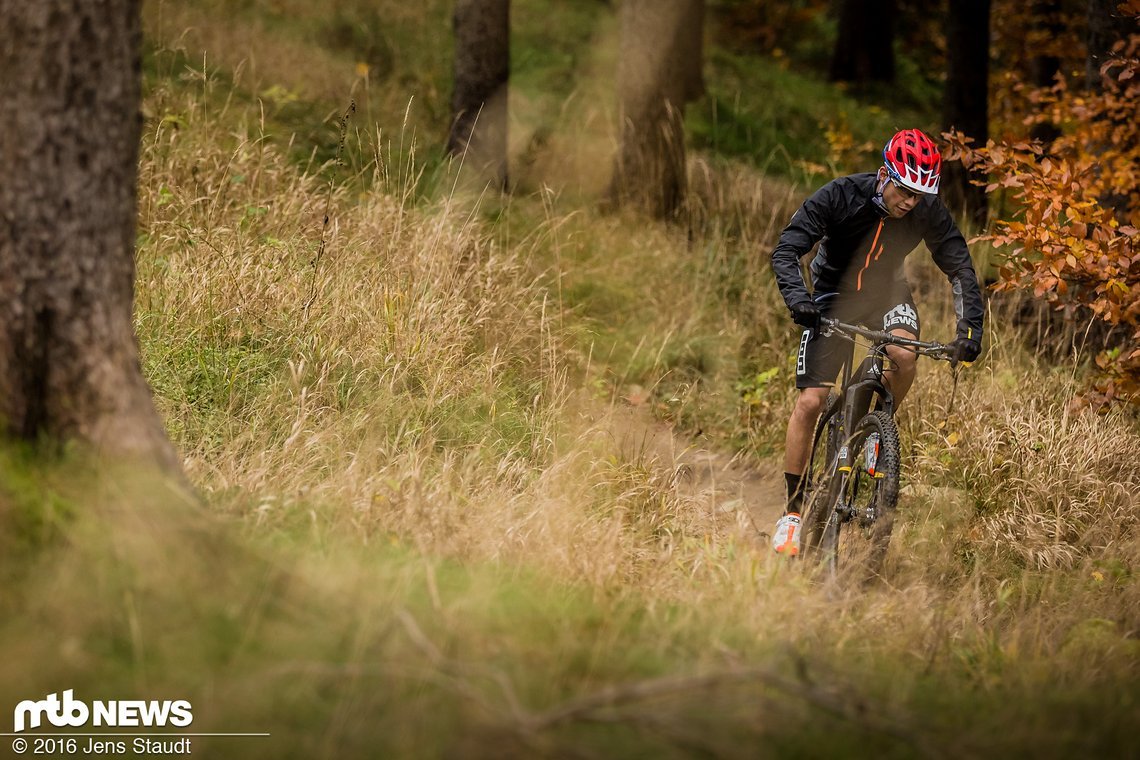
{"x": 857, "y": 533}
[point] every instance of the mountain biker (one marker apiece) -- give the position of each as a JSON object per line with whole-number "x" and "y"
{"x": 866, "y": 225}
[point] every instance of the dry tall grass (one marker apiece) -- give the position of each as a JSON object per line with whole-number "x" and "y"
{"x": 401, "y": 372}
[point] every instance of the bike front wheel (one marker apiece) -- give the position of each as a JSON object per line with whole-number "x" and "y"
{"x": 822, "y": 485}
{"x": 857, "y": 532}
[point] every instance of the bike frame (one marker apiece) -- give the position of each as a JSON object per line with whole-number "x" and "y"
{"x": 856, "y": 391}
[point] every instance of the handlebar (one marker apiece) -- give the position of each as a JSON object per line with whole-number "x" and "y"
{"x": 880, "y": 337}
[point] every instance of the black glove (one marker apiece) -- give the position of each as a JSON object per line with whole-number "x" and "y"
{"x": 966, "y": 349}
{"x": 806, "y": 314}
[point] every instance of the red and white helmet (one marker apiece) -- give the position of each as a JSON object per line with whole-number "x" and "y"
{"x": 912, "y": 160}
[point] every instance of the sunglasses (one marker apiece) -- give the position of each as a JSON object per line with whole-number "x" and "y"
{"x": 906, "y": 192}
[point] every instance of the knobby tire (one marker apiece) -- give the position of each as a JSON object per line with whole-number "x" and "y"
{"x": 856, "y": 546}
{"x": 822, "y": 489}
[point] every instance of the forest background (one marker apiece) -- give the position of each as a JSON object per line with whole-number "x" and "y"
{"x": 393, "y": 358}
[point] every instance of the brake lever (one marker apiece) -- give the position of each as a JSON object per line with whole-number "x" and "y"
{"x": 944, "y": 353}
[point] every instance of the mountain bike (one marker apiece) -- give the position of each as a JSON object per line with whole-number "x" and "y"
{"x": 852, "y": 478}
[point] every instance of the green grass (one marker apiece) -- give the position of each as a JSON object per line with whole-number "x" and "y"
{"x": 775, "y": 116}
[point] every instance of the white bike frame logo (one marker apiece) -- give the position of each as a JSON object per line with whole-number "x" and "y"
{"x": 73, "y": 713}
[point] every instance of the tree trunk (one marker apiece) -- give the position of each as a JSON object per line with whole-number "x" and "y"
{"x": 864, "y": 47}
{"x": 479, "y": 103}
{"x": 1044, "y": 67}
{"x": 689, "y": 56}
{"x": 1106, "y": 26}
{"x": 69, "y": 135}
{"x": 965, "y": 106}
{"x": 659, "y": 72}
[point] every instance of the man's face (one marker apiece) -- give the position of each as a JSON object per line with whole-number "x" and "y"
{"x": 899, "y": 200}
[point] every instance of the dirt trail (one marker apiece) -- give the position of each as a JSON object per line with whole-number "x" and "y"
{"x": 728, "y": 484}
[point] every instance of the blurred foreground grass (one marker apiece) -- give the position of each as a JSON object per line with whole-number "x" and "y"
{"x": 123, "y": 587}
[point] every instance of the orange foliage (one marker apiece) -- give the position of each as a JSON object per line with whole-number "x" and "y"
{"x": 1073, "y": 237}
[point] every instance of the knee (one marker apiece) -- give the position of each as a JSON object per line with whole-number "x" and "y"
{"x": 811, "y": 403}
{"x": 902, "y": 361}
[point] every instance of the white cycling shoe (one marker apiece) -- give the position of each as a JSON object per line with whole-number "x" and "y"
{"x": 786, "y": 538}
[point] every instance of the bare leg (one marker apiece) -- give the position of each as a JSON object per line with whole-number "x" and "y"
{"x": 801, "y": 427}
{"x": 901, "y": 376}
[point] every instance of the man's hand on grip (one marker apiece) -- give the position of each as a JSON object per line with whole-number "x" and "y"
{"x": 806, "y": 314}
{"x": 966, "y": 350}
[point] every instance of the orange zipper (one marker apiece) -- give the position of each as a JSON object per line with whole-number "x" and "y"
{"x": 859, "y": 279}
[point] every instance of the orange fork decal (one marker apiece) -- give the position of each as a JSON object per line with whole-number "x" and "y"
{"x": 859, "y": 279}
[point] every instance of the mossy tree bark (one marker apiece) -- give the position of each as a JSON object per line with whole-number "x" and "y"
{"x": 69, "y": 136}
